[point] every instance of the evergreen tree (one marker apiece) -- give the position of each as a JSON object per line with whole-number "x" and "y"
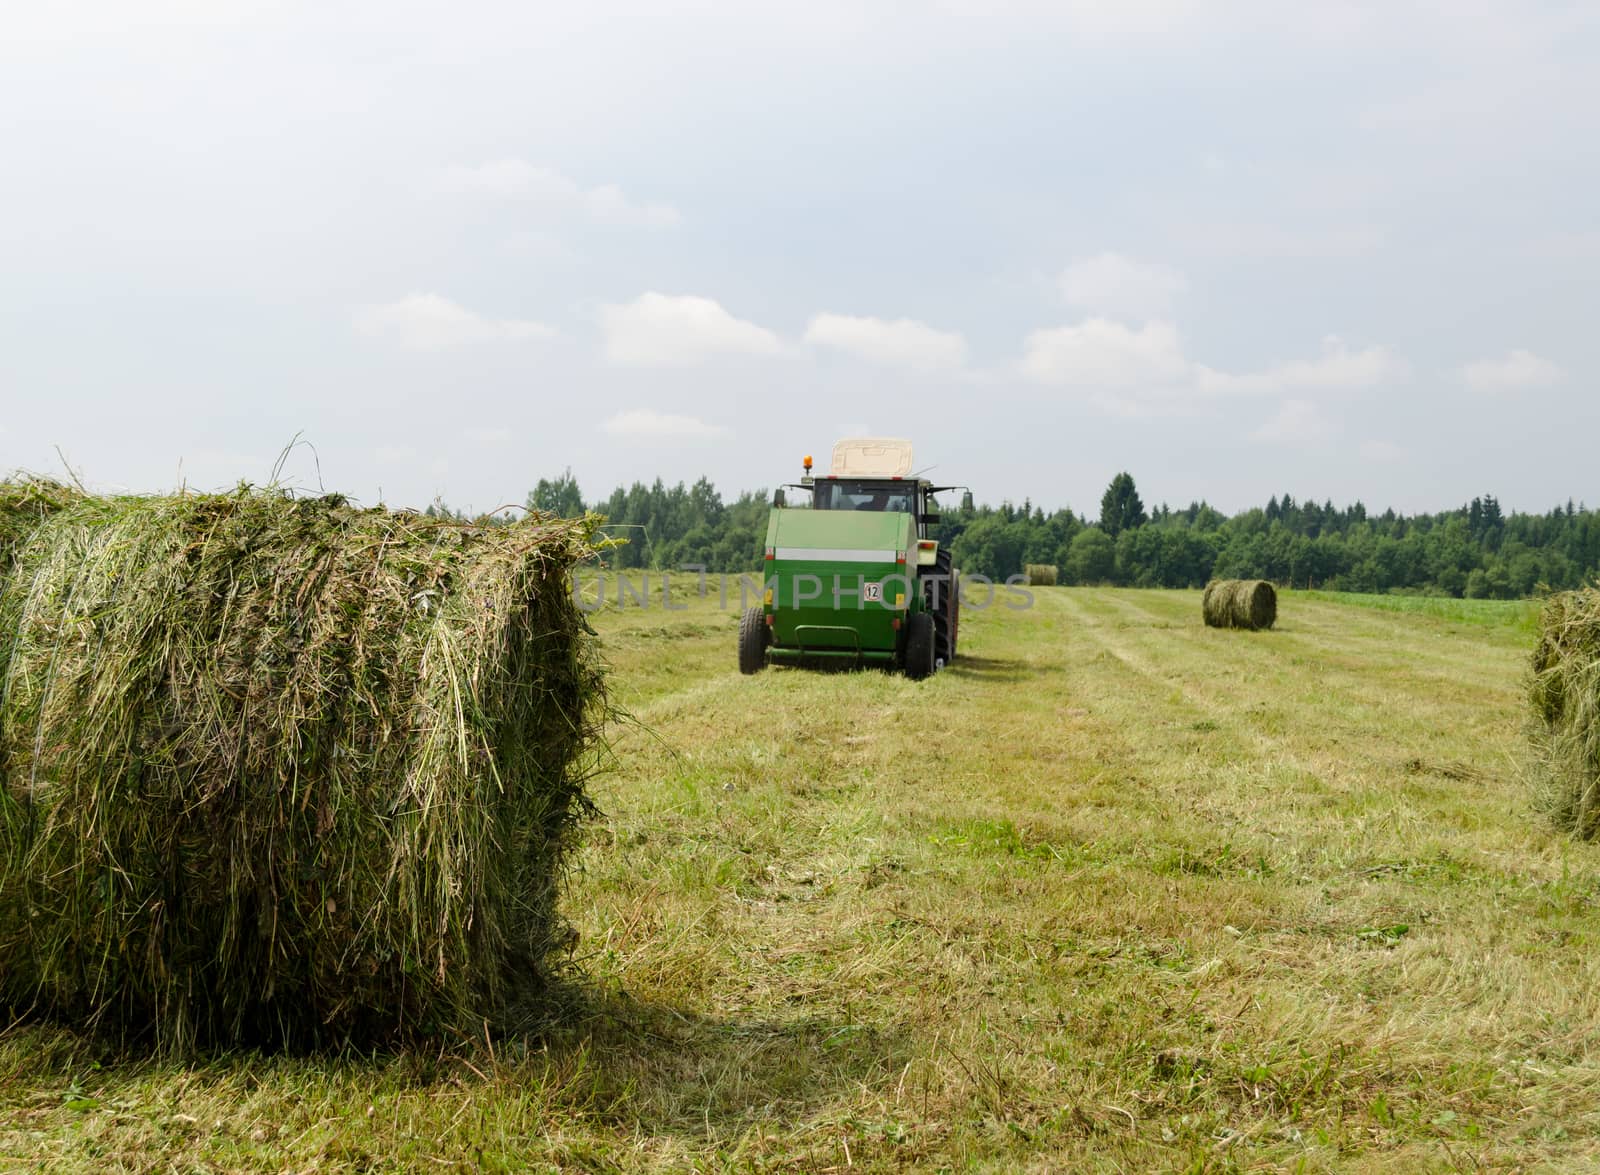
{"x": 559, "y": 496}
{"x": 1120, "y": 507}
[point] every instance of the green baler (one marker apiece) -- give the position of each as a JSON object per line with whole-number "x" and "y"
{"x": 852, "y": 575}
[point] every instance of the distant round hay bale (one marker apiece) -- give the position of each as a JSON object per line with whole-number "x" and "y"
{"x": 285, "y": 771}
{"x": 1240, "y": 603}
{"x": 1040, "y": 574}
{"x": 1564, "y": 695}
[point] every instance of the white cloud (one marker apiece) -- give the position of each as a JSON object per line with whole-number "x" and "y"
{"x": 427, "y": 322}
{"x": 1297, "y": 421}
{"x": 666, "y": 330}
{"x": 1337, "y": 369}
{"x": 903, "y": 342}
{"x": 607, "y": 203}
{"x": 1518, "y": 370}
{"x": 1102, "y": 356}
{"x": 1142, "y": 21}
{"x": 505, "y": 179}
{"x": 1113, "y": 284}
{"x": 1508, "y": 100}
{"x": 389, "y": 454}
{"x": 1270, "y": 242}
{"x": 1578, "y": 246}
{"x": 1382, "y": 451}
{"x": 1128, "y": 372}
{"x": 487, "y": 436}
{"x": 643, "y": 422}
{"x": 516, "y": 179}
{"x": 541, "y": 245}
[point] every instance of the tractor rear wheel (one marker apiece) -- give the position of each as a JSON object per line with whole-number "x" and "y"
{"x": 920, "y": 640}
{"x": 753, "y": 638}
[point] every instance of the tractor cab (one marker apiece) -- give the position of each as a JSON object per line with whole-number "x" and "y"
{"x": 873, "y": 474}
{"x": 894, "y": 497}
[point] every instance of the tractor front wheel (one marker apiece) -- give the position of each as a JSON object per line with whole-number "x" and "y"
{"x": 920, "y": 640}
{"x": 753, "y": 639}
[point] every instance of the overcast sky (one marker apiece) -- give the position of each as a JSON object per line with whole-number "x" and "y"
{"x": 1234, "y": 248}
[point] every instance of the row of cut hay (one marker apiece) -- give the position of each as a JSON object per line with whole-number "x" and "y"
{"x": 1040, "y": 574}
{"x": 1240, "y": 603}
{"x": 287, "y": 772}
{"x": 1565, "y": 696}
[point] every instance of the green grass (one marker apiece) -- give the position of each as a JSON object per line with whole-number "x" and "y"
{"x": 1519, "y": 614}
{"x": 1116, "y": 891}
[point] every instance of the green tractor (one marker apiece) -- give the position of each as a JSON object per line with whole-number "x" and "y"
{"x": 852, "y": 575}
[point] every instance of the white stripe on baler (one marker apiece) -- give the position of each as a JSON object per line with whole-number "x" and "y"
{"x": 835, "y": 555}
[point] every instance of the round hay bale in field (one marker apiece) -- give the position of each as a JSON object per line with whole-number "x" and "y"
{"x": 279, "y": 771}
{"x": 1564, "y": 694}
{"x": 1240, "y": 603}
{"x": 1040, "y": 574}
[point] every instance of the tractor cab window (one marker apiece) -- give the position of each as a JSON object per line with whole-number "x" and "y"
{"x": 885, "y": 497}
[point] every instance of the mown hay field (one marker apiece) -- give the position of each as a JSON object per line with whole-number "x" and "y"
{"x": 1115, "y": 891}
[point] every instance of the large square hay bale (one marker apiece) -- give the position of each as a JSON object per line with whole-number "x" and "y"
{"x": 283, "y": 770}
{"x": 1565, "y": 697}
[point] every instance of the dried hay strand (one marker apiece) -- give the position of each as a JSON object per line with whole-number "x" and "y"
{"x": 1040, "y": 574}
{"x": 1564, "y": 694}
{"x": 1240, "y": 603}
{"x": 288, "y": 772}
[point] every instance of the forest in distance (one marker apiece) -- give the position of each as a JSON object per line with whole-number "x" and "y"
{"x": 1475, "y": 550}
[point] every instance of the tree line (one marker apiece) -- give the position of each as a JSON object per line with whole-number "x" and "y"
{"x": 1476, "y": 550}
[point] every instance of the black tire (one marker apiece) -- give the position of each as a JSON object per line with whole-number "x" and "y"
{"x": 920, "y": 640}
{"x": 955, "y": 616}
{"x": 752, "y": 641}
{"x": 947, "y": 617}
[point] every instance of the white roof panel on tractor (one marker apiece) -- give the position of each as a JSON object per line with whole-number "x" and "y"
{"x": 871, "y": 457}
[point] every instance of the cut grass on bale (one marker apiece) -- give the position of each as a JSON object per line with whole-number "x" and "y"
{"x": 24, "y": 503}
{"x": 1565, "y": 694}
{"x": 282, "y": 771}
{"x": 1115, "y": 891}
